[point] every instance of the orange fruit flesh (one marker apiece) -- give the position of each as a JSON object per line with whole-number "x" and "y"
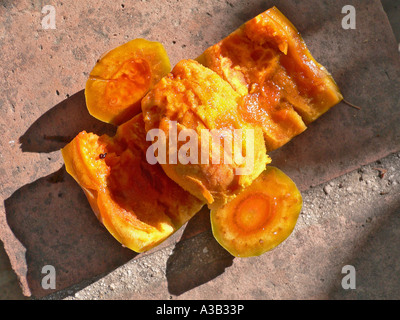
{"x": 138, "y": 204}
{"x": 260, "y": 217}
{"x": 127, "y": 86}
{"x": 253, "y": 213}
{"x": 122, "y": 77}
{"x": 198, "y": 99}
{"x": 283, "y": 88}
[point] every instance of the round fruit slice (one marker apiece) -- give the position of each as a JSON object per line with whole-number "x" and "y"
{"x": 260, "y": 217}
{"x": 122, "y": 77}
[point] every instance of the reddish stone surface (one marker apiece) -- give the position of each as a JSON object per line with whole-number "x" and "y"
{"x": 44, "y": 216}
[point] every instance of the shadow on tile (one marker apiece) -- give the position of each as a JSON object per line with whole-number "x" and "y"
{"x": 9, "y": 286}
{"x": 376, "y": 263}
{"x": 58, "y": 126}
{"x": 51, "y": 216}
{"x": 54, "y": 222}
{"x": 197, "y": 258}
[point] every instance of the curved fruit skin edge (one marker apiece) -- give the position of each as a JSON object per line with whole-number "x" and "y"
{"x": 279, "y": 17}
{"x": 69, "y": 155}
{"x": 94, "y": 196}
{"x": 282, "y": 236}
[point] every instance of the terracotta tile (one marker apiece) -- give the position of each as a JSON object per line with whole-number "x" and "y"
{"x": 45, "y": 218}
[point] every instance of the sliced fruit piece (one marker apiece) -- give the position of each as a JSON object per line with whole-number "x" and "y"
{"x": 83, "y": 160}
{"x": 137, "y": 203}
{"x": 122, "y": 76}
{"x": 283, "y": 88}
{"x": 260, "y": 217}
{"x": 195, "y": 100}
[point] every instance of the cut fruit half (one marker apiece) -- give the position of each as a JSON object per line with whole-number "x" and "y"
{"x": 137, "y": 203}
{"x": 261, "y": 217}
{"x": 193, "y": 106}
{"x": 283, "y": 88}
{"x": 122, "y": 77}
